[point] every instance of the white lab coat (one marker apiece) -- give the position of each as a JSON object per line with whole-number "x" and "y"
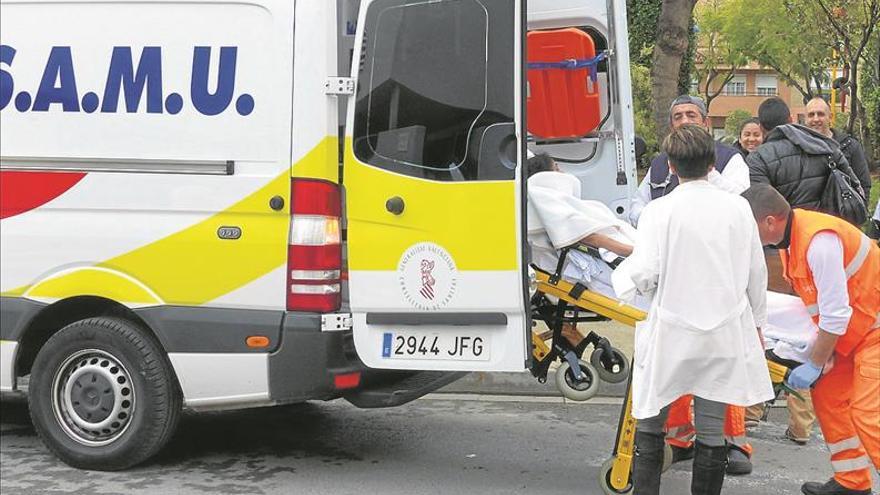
{"x": 697, "y": 250}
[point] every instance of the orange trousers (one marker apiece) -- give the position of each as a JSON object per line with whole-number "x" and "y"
{"x": 680, "y": 430}
{"x": 847, "y": 404}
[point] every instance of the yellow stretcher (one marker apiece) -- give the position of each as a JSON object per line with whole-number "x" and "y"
{"x": 614, "y": 476}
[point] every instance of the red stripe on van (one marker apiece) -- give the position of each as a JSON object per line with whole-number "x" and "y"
{"x": 23, "y": 191}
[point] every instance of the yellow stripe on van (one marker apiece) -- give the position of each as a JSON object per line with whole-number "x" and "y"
{"x": 194, "y": 266}
{"x": 474, "y": 221}
{"x": 321, "y": 163}
{"x": 94, "y": 281}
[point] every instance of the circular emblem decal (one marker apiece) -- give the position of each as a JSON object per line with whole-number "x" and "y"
{"x": 427, "y": 276}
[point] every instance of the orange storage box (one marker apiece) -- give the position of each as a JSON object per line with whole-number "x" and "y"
{"x": 563, "y": 94}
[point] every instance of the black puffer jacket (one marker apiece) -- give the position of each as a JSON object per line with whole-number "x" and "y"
{"x": 855, "y": 154}
{"x": 794, "y": 160}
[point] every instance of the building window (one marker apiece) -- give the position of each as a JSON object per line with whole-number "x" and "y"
{"x": 736, "y": 86}
{"x": 766, "y": 84}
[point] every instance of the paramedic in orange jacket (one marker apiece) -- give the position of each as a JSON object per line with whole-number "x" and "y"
{"x": 835, "y": 269}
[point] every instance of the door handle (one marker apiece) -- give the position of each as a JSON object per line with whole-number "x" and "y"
{"x": 395, "y": 205}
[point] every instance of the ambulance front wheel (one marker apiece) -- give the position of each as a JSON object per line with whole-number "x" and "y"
{"x": 577, "y": 389}
{"x": 102, "y": 395}
{"x": 605, "y": 480}
{"x": 613, "y": 365}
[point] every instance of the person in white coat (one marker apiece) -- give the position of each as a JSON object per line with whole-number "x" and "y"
{"x": 698, "y": 253}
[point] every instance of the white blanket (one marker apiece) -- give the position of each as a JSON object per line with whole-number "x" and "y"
{"x": 558, "y": 217}
{"x": 789, "y": 331}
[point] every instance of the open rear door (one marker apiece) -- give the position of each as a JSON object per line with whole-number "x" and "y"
{"x": 434, "y": 192}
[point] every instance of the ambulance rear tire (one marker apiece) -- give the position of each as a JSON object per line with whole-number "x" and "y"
{"x": 102, "y": 395}
{"x": 573, "y": 388}
{"x": 611, "y": 373}
{"x": 605, "y": 480}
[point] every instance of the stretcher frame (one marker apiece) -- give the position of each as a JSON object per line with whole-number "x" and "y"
{"x": 614, "y": 477}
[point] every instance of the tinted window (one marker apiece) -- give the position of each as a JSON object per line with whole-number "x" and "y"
{"x": 435, "y": 89}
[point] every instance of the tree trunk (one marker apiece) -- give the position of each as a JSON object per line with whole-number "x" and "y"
{"x": 854, "y": 103}
{"x": 672, "y": 45}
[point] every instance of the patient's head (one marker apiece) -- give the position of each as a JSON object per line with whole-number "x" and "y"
{"x": 691, "y": 151}
{"x": 542, "y": 162}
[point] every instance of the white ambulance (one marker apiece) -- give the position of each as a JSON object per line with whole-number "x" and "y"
{"x": 186, "y": 223}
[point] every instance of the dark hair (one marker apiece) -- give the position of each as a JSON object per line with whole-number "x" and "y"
{"x": 542, "y": 162}
{"x": 773, "y": 112}
{"x": 753, "y": 120}
{"x": 766, "y": 202}
{"x": 691, "y": 149}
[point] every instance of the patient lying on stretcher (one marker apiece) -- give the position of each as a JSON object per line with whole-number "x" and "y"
{"x": 559, "y": 218}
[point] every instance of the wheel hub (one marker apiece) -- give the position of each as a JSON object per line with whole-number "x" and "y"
{"x": 93, "y": 398}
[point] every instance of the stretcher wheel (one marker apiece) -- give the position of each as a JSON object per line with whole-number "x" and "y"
{"x": 608, "y": 371}
{"x": 605, "y": 480}
{"x": 574, "y": 389}
{"x": 607, "y": 466}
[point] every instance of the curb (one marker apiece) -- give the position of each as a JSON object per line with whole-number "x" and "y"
{"x": 517, "y": 384}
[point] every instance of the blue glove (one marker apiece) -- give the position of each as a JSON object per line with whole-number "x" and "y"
{"x": 804, "y": 376}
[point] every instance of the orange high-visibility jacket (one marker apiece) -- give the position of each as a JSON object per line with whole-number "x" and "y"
{"x": 861, "y": 261}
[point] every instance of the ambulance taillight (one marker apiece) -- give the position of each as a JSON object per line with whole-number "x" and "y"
{"x": 314, "y": 256}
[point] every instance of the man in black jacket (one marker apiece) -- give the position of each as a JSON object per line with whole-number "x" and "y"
{"x": 819, "y": 119}
{"x": 793, "y": 159}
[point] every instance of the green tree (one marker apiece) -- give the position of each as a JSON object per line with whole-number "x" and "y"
{"x": 735, "y": 119}
{"x": 643, "y": 106}
{"x": 853, "y": 25}
{"x": 673, "y": 42}
{"x": 783, "y": 36}
{"x": 718, "y": 58}
{"x": 643, "y": 17}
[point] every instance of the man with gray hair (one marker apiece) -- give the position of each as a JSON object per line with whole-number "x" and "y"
{"x": 730, "y": 172}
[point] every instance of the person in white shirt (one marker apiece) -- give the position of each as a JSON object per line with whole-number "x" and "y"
{"x": 699, "y": 256}
{"x": 729, "y": 172}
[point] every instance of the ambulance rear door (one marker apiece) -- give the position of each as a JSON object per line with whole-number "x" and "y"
{"x": 433, "y": 185}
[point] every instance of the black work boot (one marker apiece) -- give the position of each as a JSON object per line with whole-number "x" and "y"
{"x": 648, "y": 463}
{"x": 830, "y": 487}
{"x": 709, "y": 466}
{"x": 682, "y": 453}
{"x": 738, "y": 461}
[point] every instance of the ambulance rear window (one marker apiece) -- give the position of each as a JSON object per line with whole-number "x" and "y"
{"x": 435, "y": 89}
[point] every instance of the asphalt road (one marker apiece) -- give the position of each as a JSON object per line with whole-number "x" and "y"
{"x": 432, "y": 446}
